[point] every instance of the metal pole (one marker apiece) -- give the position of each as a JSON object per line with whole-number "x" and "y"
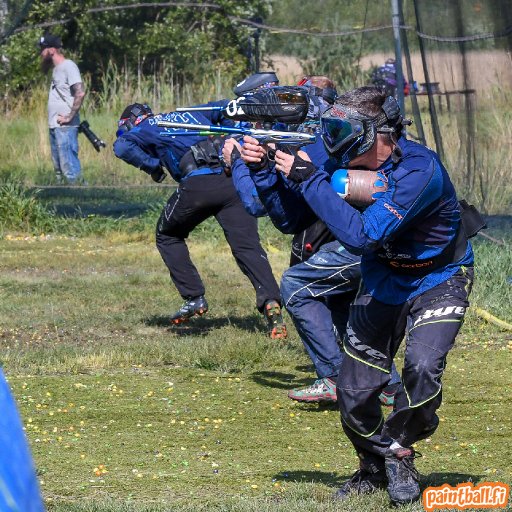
{"x": 395, "y": 12}
{"x": 431, "y": 105}
{"x": 414, "y": 100}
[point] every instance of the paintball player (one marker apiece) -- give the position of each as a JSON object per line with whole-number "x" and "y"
{"x": 384, "y": 78}
{"x": 204, "y": 191}
{"x": 323, "y": 277}
{"x": 64, "y": 101}
{"x": 417, "y": 273}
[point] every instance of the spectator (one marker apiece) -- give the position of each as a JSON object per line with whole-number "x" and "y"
{"x": 64, "y": 102}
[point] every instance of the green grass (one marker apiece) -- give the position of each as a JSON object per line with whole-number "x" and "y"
{"x": 200, "y": 412}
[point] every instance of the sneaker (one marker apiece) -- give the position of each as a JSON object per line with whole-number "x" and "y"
{"x": 276, "y": 325}
{"x": 387, "y": 397}
{"x": 322, "y": 390}
{"x": 403, "y": 477}
{"x": 190, "y": 308}
{"x": 368, "y": 479}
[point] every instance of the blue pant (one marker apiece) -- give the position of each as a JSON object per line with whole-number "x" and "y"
{"x": 317, "y": 294}
{"x": 64, "y": 146}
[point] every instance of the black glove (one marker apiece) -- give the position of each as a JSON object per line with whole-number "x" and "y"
{"x": 158, "y": 174}
{"x": 258, "y": 166}
{"x": 235, "y": 155}
{"x": 301, "y": 170}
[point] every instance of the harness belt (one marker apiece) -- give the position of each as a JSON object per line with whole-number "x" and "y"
{"x": 471, "y": 223}
{"x": 201, "y": 156}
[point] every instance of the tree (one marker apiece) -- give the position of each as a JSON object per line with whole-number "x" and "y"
{"x": 192, "y": 40}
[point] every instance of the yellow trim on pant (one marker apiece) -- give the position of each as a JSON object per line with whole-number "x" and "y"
{"x": 447, "y": 320}
{"x": 424, "y": 401}
{"x": 359, "y": 433}
{"x": 365, "y": 362}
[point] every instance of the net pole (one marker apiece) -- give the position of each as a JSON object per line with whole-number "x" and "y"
{"x": 395, "y": 15}
{"x": 431, "y": 105}
{"x": 414, "y": 100}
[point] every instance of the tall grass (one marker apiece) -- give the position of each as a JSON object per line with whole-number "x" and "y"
{"x": 482, "y": 177}
{"x": 25, "y": 151}
{"x": 25, "y": 154}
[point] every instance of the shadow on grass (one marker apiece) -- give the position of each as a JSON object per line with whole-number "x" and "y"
{"x": 453, "y": 479}
{"x": 114, "y": 202}
{"x": 278, "y": 380}
{"x": 317, "y": 477}
{"x": 202, "y": 326}
{"x": 334, "y": 480}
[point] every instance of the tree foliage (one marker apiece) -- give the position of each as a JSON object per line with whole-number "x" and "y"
{"x": 192, "y": 41}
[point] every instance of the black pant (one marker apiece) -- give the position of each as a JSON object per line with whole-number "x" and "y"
{"x": 375, "y": 330}
{"x": 196, "y": 199}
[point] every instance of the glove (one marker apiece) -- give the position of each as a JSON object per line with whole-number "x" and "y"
{"x": 158, "y": 174}
{"x": 258, "y": 166}
{"x": 235, "y": 155}
{"x": 301, "y": 170}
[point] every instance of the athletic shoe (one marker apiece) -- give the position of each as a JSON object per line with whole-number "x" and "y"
{"x": 276, "y": 325}
{"x": 387, "y": 397}
{"x": 190, "y": 308}
{"x": 403, "y": 477}
{"x": 369, "y": 478}
{"x": 322, "y": 390}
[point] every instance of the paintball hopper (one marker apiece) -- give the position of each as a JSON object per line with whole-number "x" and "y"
{"x": 287, "y": 105}
{"x": 256, "y": 81}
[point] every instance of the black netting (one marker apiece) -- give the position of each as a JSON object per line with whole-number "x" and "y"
{"x": 456, "y": 60}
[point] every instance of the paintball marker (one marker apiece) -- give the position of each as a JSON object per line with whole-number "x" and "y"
{"x": 287, "y": 105}
{"x": 91, "y": 136}
{"x": 263, "y": 136}
{"x": 275, "y": 104}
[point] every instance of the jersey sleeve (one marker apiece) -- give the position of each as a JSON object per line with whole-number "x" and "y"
{"x": 283, "y": 201}
{"x": 246, "y": 189}
{"x": 412, "y": 189}
{"x": 128, "y": 149}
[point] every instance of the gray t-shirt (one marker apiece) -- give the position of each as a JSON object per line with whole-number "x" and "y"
{"x": 60, "y": 99}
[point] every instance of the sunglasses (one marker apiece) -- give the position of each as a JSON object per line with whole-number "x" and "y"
{"x": 338, "y": 133}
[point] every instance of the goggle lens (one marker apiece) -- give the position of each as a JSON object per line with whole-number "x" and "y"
{"x": 336, "y": 132}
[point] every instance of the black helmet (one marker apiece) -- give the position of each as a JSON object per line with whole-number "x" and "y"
{"x": 132, "y": 115}
{"x": 347, "y": 133}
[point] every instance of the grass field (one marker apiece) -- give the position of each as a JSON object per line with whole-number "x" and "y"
{"x": 125, "y": 413}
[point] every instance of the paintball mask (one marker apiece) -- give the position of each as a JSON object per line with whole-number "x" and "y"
{"x": 320, "y": 86}
{"x": 132, "y": 116}
{"x": 347, "y": 133}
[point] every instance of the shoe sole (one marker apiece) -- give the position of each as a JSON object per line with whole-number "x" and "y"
{"x": 315, "y": 399}
{"x": 183, "y": 319}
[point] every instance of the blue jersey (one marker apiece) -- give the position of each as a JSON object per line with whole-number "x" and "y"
{"x": 280, "y": 198}
{"x": 147, "y": 145}
{"x": 415, "y": 220}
